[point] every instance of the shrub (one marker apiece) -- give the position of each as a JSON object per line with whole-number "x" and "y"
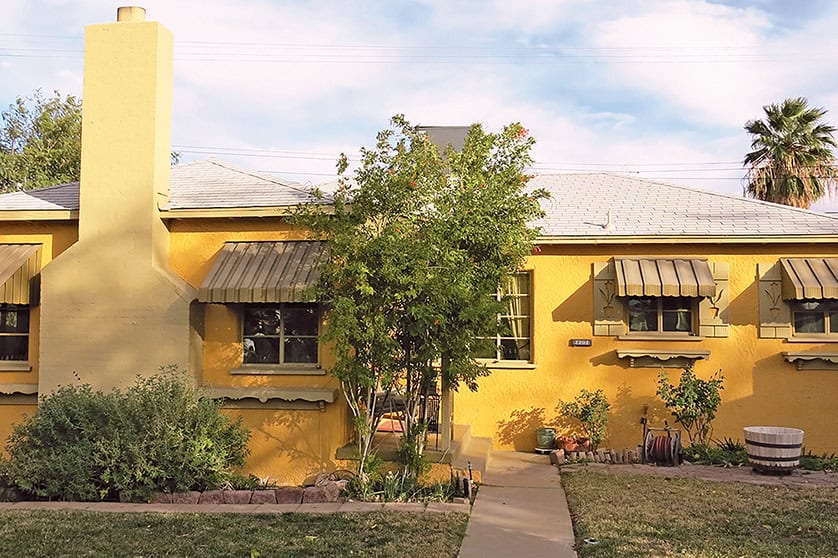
{"x": 727, "y": 453}
{"x": 693, "y": 402}
{"x": 162, "y": 434}
{"x": 813, "y": 462}
{"x": 591, "y": 410}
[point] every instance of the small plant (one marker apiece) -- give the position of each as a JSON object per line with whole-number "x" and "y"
{"x": 693, "y": 402}
{"x": 727, "y": 453}
{"x": 814, "y": 462}
{"x": 591, "y": 410}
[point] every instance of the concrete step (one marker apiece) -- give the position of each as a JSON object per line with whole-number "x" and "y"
{"x": 470, "y": 449}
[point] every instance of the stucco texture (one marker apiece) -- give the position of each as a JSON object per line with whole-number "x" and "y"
{"x": 760, "y": 388}
{"x": 286, "y": 444}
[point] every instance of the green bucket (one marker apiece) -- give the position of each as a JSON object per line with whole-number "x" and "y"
{"x": 545, "y": 438}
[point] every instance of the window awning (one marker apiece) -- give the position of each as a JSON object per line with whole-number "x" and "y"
{"x": 809, "y": 278}
{"x": 264, "y": 272}
{"x": 664, "y": 277}
{"x": 19, "y": 264}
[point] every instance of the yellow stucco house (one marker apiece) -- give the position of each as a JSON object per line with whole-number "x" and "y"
{"x": 142, "y": 265}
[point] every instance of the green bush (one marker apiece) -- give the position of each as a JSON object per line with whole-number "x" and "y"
{"x": 693, "y": 402}
{"x": 161, "y": 434}
{"x": 590, "y": 408}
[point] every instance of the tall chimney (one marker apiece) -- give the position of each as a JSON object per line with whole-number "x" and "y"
{"x": 110, "y": 307}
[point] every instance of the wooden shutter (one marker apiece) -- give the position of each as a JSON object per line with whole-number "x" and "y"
{"x": 609, "y": 312}
{"x": 713, "y": 319}
{"x": 774, "y": 313}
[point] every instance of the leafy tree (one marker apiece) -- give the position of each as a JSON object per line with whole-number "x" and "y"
{"x": 693, "y": 402}
{"x": 420, "y": 241}
{"x": 40, "y": 142}
{"x": 791, "y": 161}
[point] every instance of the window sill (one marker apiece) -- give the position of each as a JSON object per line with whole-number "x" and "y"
{"x": 813, "y": 360}
{"x": 813, "y": 339}
{"x": 279, "y": 370}
{"x": 658, "y": 337}
{"x": 648, "y": 358}
{"x": 507, "y": 364}
{"x": 15, "y": 366}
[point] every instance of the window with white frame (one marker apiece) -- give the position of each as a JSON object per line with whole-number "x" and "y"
{"x": 284, "y": 333}
{"x": 14, "y": 332}
{"x": 514, "y": 340}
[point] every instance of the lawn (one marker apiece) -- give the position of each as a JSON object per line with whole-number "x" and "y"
{"x": 79, "y": 533}
{"x": 645, "y": 516}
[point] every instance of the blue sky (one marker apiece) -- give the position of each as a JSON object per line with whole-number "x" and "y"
{"x": 660, "y": 89}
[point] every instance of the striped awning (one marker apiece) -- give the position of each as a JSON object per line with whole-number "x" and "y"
{"x": 264, "y": 272}
{"x": 809, "y": 278}
{"x": 664, "y": 277}
{"x": 19, "y": 264}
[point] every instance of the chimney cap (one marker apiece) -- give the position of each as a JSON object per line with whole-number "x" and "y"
{"x": 130, "y": 13}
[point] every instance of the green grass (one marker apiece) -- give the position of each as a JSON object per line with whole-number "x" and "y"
{"x": 78, "y": 533}
{"x": 646, "y": 516}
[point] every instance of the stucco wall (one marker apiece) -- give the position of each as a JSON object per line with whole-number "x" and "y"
{"x": 760, "y": 387}
{"x": 287, "y": 444}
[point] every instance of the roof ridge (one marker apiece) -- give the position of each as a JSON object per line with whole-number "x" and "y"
{"x": 700, "y": 191}
{"x": 280, "y": 182}
{"x": 43, "y": 189}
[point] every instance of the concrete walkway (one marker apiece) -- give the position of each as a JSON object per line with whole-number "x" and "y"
{"x": 520, "y": 511}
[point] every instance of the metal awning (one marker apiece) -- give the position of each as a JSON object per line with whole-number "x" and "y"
{"x": 664, "y": 277}
{"x": 809, "y": 278}
{"x": 19, "y": 264}
{"x": 264, "y": 272}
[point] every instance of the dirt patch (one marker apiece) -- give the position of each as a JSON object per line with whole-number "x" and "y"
{"x": 708, "y": 472}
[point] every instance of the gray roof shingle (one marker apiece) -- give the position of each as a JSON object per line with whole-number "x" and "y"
{"x": 579, "y": 206}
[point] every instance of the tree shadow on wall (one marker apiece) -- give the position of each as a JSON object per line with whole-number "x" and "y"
{"x": 626, "y": 412}
{"x": 519, "y": 429}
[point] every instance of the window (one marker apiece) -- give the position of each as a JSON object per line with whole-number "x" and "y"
{"x": 514, "y": 341}
{"x": 280, "y": 333}
{"x": 662, "y": 314}
{"x": 812, "y": 317}
{"x": 14, "y": 332}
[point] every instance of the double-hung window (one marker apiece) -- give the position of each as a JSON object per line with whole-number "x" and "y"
{"x": 284, "y": 333}
{"x": 14, "y": 332}
{"x": 514, "y": 340}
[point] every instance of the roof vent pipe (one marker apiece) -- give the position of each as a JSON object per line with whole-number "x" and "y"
{"x": 609, "y": 226}
{"x": 130, "y": 13}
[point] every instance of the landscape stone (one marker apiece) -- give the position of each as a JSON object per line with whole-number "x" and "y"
{"x": 190, "y": 497}
{"x": 161, "y": 498}
{"x": 211, "y": 497}
{"x": 557, "y": 457}
{"x": 263, "y": 497}
{"x": 327, "y": 492}
{"x": 289, "y": 495}
{"x": 236, "y": 496}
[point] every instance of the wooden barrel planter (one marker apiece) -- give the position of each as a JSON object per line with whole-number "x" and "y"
{"x": 773, "y": 449}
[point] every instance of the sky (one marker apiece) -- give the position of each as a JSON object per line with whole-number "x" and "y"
{"x": 659, "y": 89}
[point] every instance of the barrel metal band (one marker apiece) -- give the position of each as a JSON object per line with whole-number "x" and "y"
{"x": 770, "y": 445}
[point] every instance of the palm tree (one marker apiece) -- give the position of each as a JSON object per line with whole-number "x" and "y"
{"x": 792, "y": 160}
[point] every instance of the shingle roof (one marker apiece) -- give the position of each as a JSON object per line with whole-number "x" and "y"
{"x": 580, "y": 206}
{"x": 214, "y": 184}
{"x": 61, "y": 198}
